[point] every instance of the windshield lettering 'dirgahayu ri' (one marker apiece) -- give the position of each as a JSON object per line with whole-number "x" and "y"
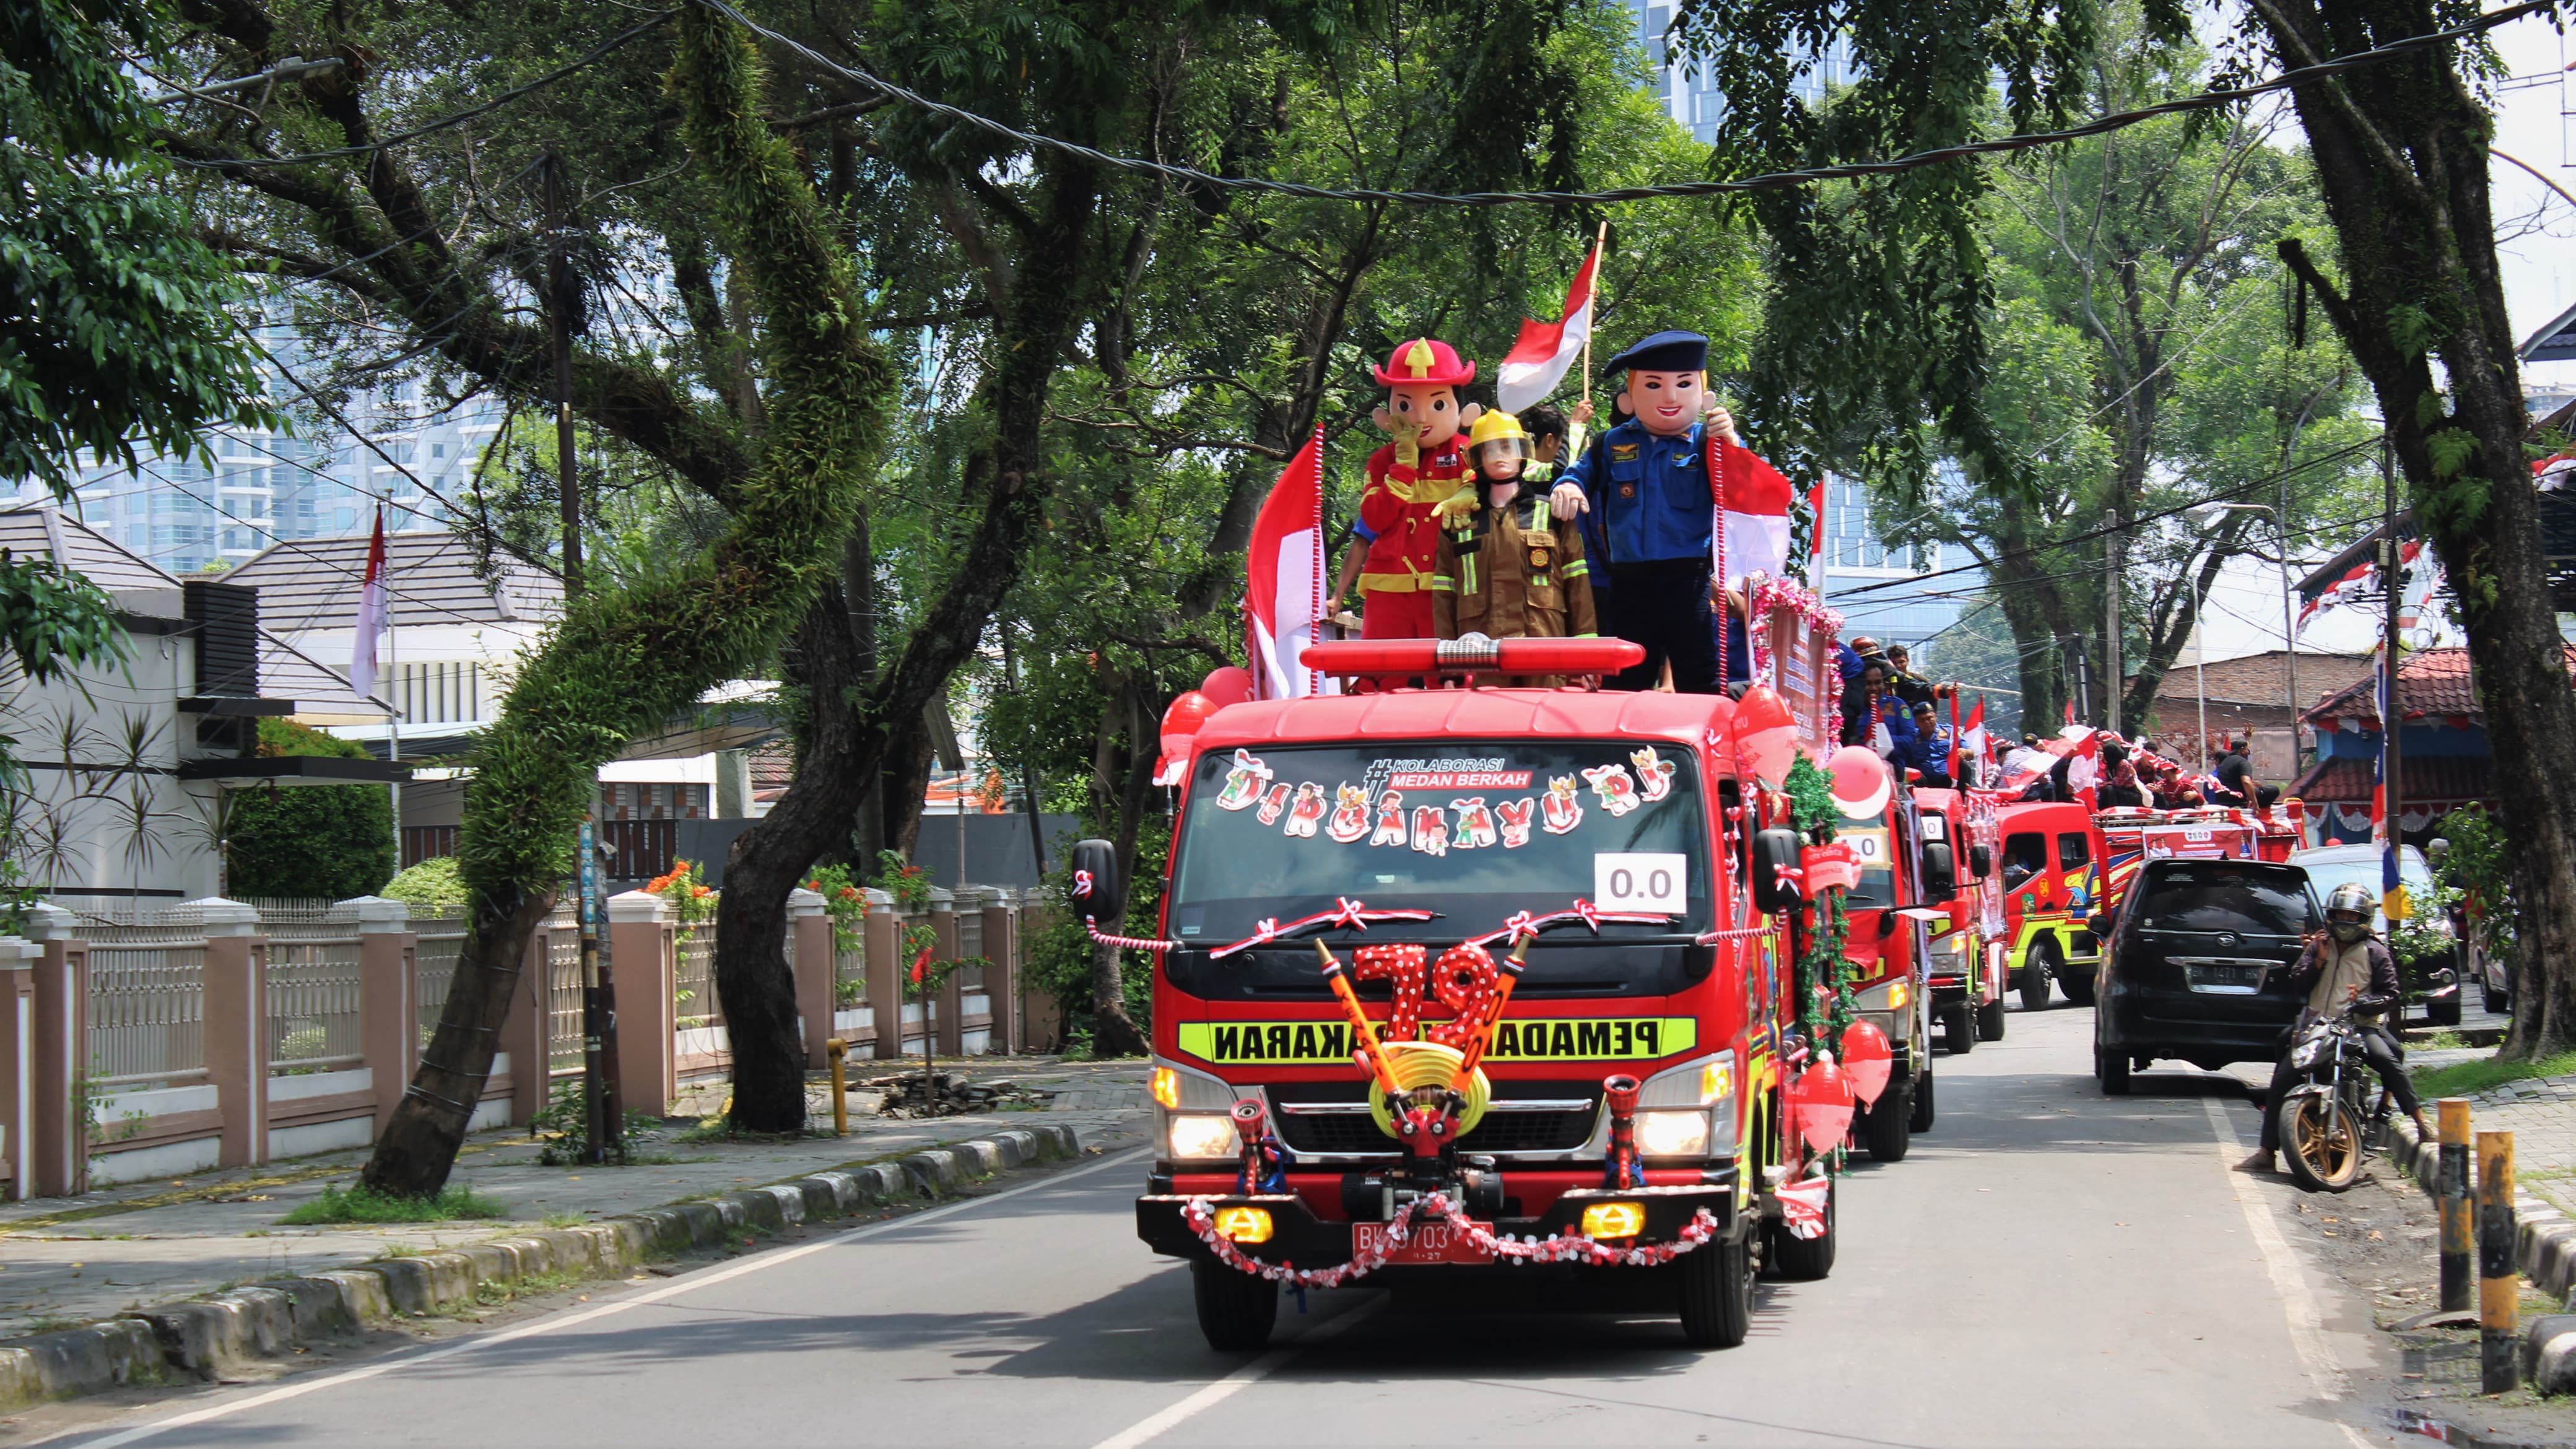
{"x": 1404, "y": 819}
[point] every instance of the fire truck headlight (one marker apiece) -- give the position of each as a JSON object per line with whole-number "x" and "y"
{"x": 1672, "y": 1134}
{"x": 1195, "y": 1136}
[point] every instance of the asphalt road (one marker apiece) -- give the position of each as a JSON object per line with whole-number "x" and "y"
{"x": 2049, "y": 1267}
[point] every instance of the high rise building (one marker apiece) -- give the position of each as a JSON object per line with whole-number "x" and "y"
{"x": 263, "y": 487}
{"x": 1689, "y": 90}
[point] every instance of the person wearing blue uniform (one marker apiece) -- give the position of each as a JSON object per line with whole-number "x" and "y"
{"x": 1642, "y": 487}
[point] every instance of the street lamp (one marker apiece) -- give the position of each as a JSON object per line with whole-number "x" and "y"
{"x": 2204, "y": 514}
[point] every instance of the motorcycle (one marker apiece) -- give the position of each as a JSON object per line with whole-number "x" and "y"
{"x": 2329, "y": 1123}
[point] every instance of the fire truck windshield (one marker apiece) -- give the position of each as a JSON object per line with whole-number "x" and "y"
{"x": 1475, "y": 831}
{"x": 1868, "y": 840}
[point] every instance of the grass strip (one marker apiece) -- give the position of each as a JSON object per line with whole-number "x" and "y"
{"x": 2467, "y": 1079}
{"x": 362, "y": 1204}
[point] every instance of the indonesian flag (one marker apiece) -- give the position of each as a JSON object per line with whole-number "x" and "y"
{"x": 1972, "y": 735}
{"x": 1816, "y": 513}
{"x": 1283, "y": 595}
{"x": 371, "y": 614}
{"x": 1756, "y": 518}
{"x": 1537, "y": 362}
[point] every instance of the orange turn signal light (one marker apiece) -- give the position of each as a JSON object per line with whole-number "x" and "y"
{"x": 1244, "y": 1224}
{"x": 1614, "y": 1220}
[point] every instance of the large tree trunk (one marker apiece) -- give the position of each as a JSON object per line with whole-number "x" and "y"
{"x": 2402, "y": 155}
{"x": 768, "y": 860}
{"x": 623, "y": 662}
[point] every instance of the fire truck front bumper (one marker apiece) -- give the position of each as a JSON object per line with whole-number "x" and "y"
{"x": 1282, "y": 1229}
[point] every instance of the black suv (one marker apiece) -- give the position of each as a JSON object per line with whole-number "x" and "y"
{"x": 2193, "y": 966}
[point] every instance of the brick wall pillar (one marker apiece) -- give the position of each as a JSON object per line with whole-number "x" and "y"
{"x": 811, "y": 927}
{"x": 236, "y": 1026}
{"x": 645, "y": 944}
{"x": 58, "y": 1051}
{"x": 18, "y": 958}
{"x": 388, "y": 1006}
{"x": 1041, "y": 1018}
{"x": 523, "y": 1033}
{"x": 885, "y": 973}
{"x": 1002, "y": 978}
{"x": 949, "y": 1010}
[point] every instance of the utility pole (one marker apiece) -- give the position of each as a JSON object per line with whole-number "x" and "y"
{"x": 2079, "y": 676}
{"x": 2111, "y": 625}
{"x": 559, "y": 324}
{"x": 2289, "y": 624}
{"x": 2391, "y": 713}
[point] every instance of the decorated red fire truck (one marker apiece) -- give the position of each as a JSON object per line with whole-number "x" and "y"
{"x": 1967, "y": 973}
{"x": 2064, "y": 863}
{"x": 1458, "y": 976}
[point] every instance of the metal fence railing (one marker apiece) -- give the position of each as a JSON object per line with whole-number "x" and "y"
{"x": 693, "y": 990}
{"x": 563, "y": 991}
{"x": 850, "y": 979}
{"x": 440, "y": 939}
{"x": 314, "y": 986}
{"x": 147, "y": 1003}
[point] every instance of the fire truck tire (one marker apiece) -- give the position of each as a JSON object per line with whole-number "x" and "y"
{"x": 1921, "y": 1117}
{"x": 2113, "y": 1069}
{"x": 1800, "y": 1259}
{"x": 1990, "y": 1020}
{"x": 1236, "y": 1309}
{"x": 1717, "y": 1294}
{"x": 2034, "y": 977}
{"x": 1958, "y": 1029}
{"x": 1888, "y": 1129}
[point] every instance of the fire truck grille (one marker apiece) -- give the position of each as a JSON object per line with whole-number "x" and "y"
{"x": 1345, "y": 1134}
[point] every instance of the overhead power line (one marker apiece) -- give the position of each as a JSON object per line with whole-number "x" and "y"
{"x": 1772, "y": 181}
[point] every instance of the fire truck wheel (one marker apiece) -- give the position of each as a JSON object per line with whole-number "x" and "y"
{"x": 1990, "y": 1020}
{"x": 1804, "y": 1259}
{"x": 1888, "y": 1130}
{"x": 1717, "y": 1294}
{"x": 2034, "y": 978}
{"x": 1958, "y": 1029}
{"x": 1235, "y": 1308}
{"x": 1921, "y": 1120}
{"x": 2113, "y": 1069}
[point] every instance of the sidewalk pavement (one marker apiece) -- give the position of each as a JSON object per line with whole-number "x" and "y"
{"x": 66, "y": 1261}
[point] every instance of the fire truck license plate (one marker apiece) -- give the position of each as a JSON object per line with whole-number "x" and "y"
{"x": 1428, "y": 1243}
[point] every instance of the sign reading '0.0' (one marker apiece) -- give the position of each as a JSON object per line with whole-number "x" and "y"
{"x": 1641, "y": 881}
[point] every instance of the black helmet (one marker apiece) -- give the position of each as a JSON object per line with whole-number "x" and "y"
{"x": 2348, "y": 911}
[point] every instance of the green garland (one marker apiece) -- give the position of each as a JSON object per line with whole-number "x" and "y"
{"x": 1811, "y": 806}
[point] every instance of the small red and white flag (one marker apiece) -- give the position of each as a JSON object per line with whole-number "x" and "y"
{"x": 1816, "y": 517}
{"x": 1537, "y": 362}
{"x": 1972, "y": 735}
{"x": 1283, "y": 596}
{"x": 1756, "y": 513}
{"x": 371, "y": 614}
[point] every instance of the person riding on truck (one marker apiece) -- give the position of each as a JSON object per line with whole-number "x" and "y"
{"x": 2348, "y": 969}
{"x": 1511, "y": 569}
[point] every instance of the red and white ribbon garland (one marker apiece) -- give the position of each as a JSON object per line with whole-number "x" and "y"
{"x": 1739, "y": 933}
{"x": 1567, "y": 1247}
{"x": 1348, "y": 912}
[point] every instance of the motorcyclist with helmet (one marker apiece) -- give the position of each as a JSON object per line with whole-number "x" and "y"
{"x": 2348, "y": 968}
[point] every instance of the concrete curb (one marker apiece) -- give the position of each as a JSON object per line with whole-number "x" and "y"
{"x": 2544, "y": 1252}
{"x": 207, "y": 1337}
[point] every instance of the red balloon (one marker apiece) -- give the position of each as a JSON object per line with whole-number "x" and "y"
{"x": 1229, "y": 685}
{"x": 1187, "y": 713}
{"x": 1861, "y": 783}
{"x": 1822, "y": 1099}
{"x": 1867, "y": 1059}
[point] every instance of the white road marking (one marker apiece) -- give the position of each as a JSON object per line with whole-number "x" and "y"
{"x": 2298, "y": 1304}
{"x": 1234, "y": 1383}
{"x": 687, "y": 1283}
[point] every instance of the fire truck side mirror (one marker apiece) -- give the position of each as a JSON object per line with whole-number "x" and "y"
{"x": 1775, "y": 852}
{"x": 1981, "y": 862}
{"x": 1940, "y": 873}
{"x": 1095, "y": 879}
